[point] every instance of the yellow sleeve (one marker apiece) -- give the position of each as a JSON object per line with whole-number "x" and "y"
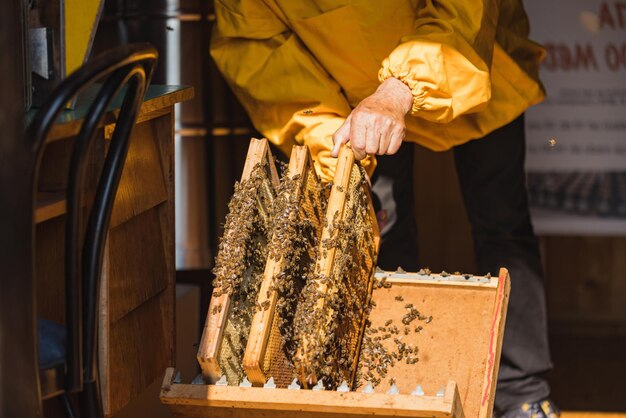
{"x": 289, "y": 96}
{"x": 446, "y": 61}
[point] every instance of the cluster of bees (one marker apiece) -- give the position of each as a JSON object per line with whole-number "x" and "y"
{"x": 287, "y": 225}
{"x": 297, "y": 223}
{"x": 331, "y": 333}
{"x": 240, "y": 261}
{"x": 378, "y": 354}
{"x": 246, "y": 233}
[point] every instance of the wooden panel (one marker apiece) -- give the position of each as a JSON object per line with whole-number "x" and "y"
{"x": 585, "y": 286}
{"x": 49, "y": 205}
{"x": 164, "y": 131}
{"x": 137, "y": 267}
{"x": 53, "y": 175}
{"x": 589, "y": 372}
{"x": 462, "y": 343}
{"x": 141, "y": 346}
{"x": 50, "y": 269}
{"x": 104, "y": 333}
{"x": 561, "y": 298}
{"x": 194, "y": 212}
{"x": 142, "y": 185}
{"x": 444, "y": 233}
{"x": 218, "y": 401}
{"x": 56, "y": 161}
{"x": 618, "y": 283}
{"x": 55, "y": 166}
{"x": 138, "y": 274}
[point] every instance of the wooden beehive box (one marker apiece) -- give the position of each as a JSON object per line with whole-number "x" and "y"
{"x": 462, "y": 341}
{"x": 461, "y": 344}
{"x": 463, "y": 321}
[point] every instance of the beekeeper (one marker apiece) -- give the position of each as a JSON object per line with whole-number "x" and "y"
{"x": 382, "y": 74}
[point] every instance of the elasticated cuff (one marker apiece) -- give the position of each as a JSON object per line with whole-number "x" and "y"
{"x": 419, "y": 94}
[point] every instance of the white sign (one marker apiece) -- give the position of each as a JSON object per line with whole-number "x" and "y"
{"x": 576, "y": 139}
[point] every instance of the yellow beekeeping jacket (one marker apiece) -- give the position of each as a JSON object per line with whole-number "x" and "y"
{"x": 300, "y": 66}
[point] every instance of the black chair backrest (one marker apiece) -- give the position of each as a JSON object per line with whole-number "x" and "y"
{"x": 125, "y": 70}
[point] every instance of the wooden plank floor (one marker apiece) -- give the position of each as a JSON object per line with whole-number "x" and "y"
{"x": 591, "y": 415}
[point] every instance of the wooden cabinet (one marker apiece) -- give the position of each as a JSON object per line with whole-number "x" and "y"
{"x": 136, "y": 326}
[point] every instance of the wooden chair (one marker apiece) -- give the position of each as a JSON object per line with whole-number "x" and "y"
{"x": 67, "y": 353}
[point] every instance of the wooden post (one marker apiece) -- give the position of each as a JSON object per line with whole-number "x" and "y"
{"x": 19, "y": 380}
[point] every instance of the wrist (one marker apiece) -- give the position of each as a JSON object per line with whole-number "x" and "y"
{"x": 400, "y": 91}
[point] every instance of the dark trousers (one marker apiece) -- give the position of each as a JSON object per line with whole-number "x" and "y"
{"x": 492, "y": 180}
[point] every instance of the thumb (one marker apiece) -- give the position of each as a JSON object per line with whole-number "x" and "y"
{"x": 341, "y": 136}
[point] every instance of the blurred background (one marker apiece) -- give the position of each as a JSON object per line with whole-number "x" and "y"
{"x": 584, "y": 256}
{"x": 585, "y": 273}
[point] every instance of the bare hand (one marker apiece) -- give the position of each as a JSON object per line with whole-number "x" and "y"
{"x": 376, "y": 125}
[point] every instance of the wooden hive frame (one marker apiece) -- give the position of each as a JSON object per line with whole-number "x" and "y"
{"x": 264, "y": 356}
{"x": 342, "y": 191}
{"x": 220, "y": 307}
